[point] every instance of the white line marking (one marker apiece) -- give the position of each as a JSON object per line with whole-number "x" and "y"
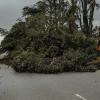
{"x": 79, "y": 96}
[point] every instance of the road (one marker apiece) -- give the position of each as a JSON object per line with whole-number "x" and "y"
{"x": 65, "y": 86}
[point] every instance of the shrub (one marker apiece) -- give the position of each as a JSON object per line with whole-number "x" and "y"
{"x": 72, "y": 59}
{"x": 49, "y": 60}
{"x": 49, "y": 69}
{"x": 48, "y": 65}
{"x": 52, "y": 51}
{"x": 89, "y": 68}
{"x": 24, "y": 62}
{"x": 29, "y": 62}
{"x": 75, "y": 61}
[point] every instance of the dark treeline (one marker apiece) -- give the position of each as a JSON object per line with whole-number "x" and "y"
{"x": 53, "y": 36}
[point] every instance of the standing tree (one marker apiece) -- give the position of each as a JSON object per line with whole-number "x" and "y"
{"x": 59, "y": 13}
{"x": 72, "y": 16}
{"x": 86, "y": 13}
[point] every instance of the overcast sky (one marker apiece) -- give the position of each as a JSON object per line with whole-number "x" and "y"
{"x": 10, "y": 10}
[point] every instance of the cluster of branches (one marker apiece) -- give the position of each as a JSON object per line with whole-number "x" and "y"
{"x": 61, "y": 12}
{"x": 64, "y": 13}
{"x": 48, "y": 39}
{"x": 86, "y": 14}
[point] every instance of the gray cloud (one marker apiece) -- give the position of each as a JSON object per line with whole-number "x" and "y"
{"x": 10, "y": 10}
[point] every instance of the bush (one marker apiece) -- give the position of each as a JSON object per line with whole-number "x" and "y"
{"x": 75, "y": 61}
{"x": 89, "y": 68}
{"x": 48, "y": 60}
{"x": 52, "y": 51}
{"x": 47, "y": 65}
{"x": 24, "y": 62}
{"x": 29, "y": 62}
{"x": 73, "y": 58}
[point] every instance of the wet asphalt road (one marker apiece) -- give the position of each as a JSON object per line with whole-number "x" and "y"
{"x": 14, "y": 86}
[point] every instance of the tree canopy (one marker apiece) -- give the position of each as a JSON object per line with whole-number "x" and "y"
{"x": 49, "y": 41}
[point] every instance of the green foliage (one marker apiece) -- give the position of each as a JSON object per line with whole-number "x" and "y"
{"x": 11, "y": 40}
{"x": 73, "y": 59}
{"x": 49, "y": 58}
{"x": 49, "y": 65}
{"x": 43, "y": 43}
{"x": 90, "y": 68}
{"x": 27, "y": 61}
{"x": 24, "y": 62}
